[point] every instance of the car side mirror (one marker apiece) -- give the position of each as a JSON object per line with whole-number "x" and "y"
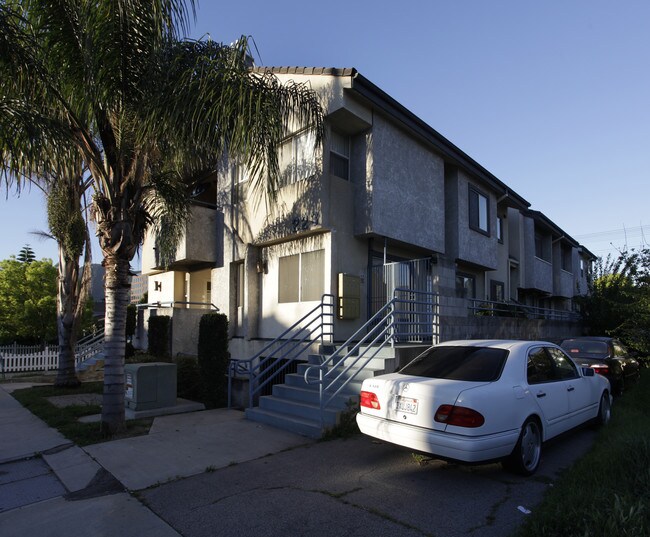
{"x": 587, "y": 372}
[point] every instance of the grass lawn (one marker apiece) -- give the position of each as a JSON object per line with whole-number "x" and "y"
{"x": 606, "y": 493}
{"x": 65, "y": 419}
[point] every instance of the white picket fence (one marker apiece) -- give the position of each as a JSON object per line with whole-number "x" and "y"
{"x": 25, "y": 358}
{"x": 19, "y": 358}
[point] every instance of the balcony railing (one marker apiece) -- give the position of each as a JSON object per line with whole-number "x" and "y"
{"x": 489, "y": 308}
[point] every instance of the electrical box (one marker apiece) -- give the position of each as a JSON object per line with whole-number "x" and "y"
{"x": 150, "y": 385}
{"x": 349, "y": 300}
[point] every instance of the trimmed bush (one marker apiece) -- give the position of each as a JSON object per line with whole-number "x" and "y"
{"x": 213, "y": 359}
{"x": 189, "y": 378}
{"x": 159, "y": 336}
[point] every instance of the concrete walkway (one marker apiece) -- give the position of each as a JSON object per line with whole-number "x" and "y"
{"x": 49, "y": 486}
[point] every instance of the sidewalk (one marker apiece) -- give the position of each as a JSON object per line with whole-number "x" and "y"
{"x": 48, "y": 486}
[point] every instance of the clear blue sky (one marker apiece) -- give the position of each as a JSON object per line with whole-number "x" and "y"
{"x": 551, "y": 97}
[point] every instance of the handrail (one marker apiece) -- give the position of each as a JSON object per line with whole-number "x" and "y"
{"x": 495, "y": 308}
{"x": 173, "y": 303}
{"x": 421, "y": 310}
{"x": 317, "y": 324}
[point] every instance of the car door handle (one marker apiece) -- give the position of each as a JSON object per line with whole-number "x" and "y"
{"x": 570, "y": 389}
{"x": 541, "y": 394}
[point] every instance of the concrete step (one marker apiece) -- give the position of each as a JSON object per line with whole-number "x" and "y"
{"x": 301, "y": 426}
{"x": 294, "y": 379}
{"x": 297, "y": 409}
{"x": 311, "y": 396}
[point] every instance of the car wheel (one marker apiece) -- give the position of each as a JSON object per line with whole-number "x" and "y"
{"x": 604, "y": 410}
{"x": 527, "y": 454}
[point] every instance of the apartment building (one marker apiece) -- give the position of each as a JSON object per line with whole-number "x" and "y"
{"x": 387, "y": 202}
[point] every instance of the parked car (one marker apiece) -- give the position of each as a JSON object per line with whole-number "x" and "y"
{"x": 607, "y": 356}
{"x": 479, "y": 401}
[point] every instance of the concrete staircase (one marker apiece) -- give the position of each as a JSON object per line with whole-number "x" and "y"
{"x": 294, "y": 406}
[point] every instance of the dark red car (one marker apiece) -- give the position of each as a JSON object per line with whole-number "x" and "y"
{"x": 607, "y": 356}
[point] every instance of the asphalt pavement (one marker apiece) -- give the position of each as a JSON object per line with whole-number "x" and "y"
{"x": 214, "y": 473}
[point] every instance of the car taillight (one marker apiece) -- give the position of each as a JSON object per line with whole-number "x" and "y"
{"x": 459, "y": 416}
{"x": 601, "y": 369}
{"x": 369, "y": 400}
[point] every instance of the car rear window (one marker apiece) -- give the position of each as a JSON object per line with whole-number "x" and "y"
{"x": 472, "y": 364}
{"x": 585, "y": 348}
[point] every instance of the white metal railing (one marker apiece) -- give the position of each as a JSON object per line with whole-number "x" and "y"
{"x": 277, "y": 356}
{"x": 409, "y": 317}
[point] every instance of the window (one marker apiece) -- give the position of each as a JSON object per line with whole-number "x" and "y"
{"x": 564, "y": 367}
{"x": 470, "y": 364}
{"x": 296, "y": 158}
{"x": 540, "y": 367}
{"x": 479, "y": 217}
{"x": 465, "y": 285}
{"x": 567, "y": 258}
{"x": 582, "y": 268}
{"x": 497, "y": 291}
{"x": 340, "y": 155}
{"x": 542, "y": 246}
{"x": 500, "y": 229}
{"x": 301, "y": 277}
{"x": 548, "y": 365}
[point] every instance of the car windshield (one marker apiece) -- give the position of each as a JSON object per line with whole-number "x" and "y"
{"x": 578, "y": 348}
{"x": 473, "y": 364}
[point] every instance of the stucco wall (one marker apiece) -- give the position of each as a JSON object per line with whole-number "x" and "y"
{"x": 404, "y": 189}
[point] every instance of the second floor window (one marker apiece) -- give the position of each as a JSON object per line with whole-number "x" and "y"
{"x": 479, "y": 211}
{"x": 297, "y": 159}
{"x": 340, "y": 155}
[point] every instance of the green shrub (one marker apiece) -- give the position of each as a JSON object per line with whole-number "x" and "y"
{"x": 213, "y": 359}
{"x": 189, "y": 378}
{"x": 131, "y": 316}
{"x": 159, "y": 336}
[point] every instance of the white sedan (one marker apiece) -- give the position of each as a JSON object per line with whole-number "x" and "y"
{"x": 476, "y": 401}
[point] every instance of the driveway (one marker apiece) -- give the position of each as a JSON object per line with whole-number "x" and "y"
{"x": 358, "y": 487}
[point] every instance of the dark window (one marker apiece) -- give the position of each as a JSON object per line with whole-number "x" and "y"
{"x": 497, "y": 291}
{"x": 500, "y": 229}
{"x": 472, "y": 364}
{"x": 567, "y": 259}
{"x": 540, "y": 367}
{"x": 340, "y": 155}
{"x": 564, "y": 367}
{"x": 585, "y": 348}
{"x": 479, "y": 211}
{"x": 549, "y": 364}
{"x": 465, "y": 285}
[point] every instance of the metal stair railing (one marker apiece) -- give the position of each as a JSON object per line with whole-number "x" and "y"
{"x": 88, "y": 346}
{"x": 276, "y": 356}
{"x": 409, "y": 316}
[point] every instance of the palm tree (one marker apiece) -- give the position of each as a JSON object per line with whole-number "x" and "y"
{"x": 147, "y": 110}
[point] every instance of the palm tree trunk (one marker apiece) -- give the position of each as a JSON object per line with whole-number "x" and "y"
{"x": 67, "y": 298}
{"x": 118, "y": 296}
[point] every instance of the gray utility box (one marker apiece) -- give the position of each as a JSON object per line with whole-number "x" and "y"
{"x": 150, "y": 385}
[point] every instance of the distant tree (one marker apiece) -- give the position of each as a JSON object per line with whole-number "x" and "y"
{"x": 618, "y": 303}
{"x": 27, "y": 301}
{"x": 26, "y": 254}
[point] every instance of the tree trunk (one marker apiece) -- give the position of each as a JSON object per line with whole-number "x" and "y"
{"x": 67, "y": 298}
{"x": 118, "y": 296}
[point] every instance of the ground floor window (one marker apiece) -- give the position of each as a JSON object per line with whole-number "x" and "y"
{"x": 301, "y": 277}
{"x": 465, "y": 285}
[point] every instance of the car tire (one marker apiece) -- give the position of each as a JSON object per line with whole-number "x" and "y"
{"x": 604, "y": 410}
{"x": 526, "y": 456}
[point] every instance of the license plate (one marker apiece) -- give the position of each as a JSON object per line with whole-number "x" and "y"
{"x": 406, "y": 404}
